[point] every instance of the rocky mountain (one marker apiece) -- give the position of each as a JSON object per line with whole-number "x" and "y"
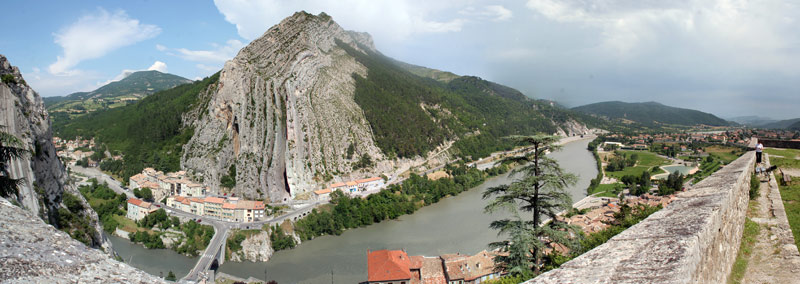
{"x": 309, "y": 101}
{"x": 309, "y": 104}
{"x": 45, "y": 185}
{"x": 34, "y": 252}
{"x": 651, "y": 114}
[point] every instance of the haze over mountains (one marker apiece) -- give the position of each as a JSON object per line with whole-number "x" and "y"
{"x": 651, "y": 114}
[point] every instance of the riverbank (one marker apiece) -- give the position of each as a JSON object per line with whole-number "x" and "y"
{"x": 454, "y": 224}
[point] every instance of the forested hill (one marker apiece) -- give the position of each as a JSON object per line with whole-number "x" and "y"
{"x": 783, "y": 124}
{"x": 651, "y": 114}
{"x": 442, "y": 106}
{"x": 149, "y": 133}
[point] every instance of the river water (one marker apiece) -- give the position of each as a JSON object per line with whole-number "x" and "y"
{"x": 455, "y": 224}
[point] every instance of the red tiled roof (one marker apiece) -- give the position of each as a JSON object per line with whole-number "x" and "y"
{"x": 322, "y": 191}
{"x": 135, "y": 201}
{"x": 211, "y": 199}
{"x": 388, "y": 265}
{"x": 350, "y": 183}
{"x": 338, "y": 184}
{"x": 368, "y": 179}
{"x": 227, "y": 205}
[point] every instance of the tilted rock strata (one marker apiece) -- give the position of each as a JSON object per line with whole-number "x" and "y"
{"x": 284, "y": 113}
{"x": 34, "y": 252}
{"x": 23, "y": 114}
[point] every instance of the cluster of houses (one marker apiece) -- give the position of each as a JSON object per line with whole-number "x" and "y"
{"x": 163, "y": 185}
{"x": 225, "y": 208}
{"x": 397, "y": 267}
{"x": 736, "y": 136}
{"x": 355, "y": 187}
{"x": 598, "y": 218}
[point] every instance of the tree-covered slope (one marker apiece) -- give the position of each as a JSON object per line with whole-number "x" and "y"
{"x": 782, "y": 124}
{"x": 149, "y": 132}
{"x": 651, "y": 114}
{"x": 411, "y": 114}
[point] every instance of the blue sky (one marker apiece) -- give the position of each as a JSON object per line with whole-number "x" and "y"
{"x": 728, "y": 57}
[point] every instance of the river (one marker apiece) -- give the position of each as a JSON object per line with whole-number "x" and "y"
{"x": 455, "y": 224}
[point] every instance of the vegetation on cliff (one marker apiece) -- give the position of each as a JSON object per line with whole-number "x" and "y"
{"x": 149, "y": 133}
{"x": 470, "y": 108}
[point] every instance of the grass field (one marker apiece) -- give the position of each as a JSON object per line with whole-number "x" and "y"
{"x": 608, "y": 190}
{"x": 749, "y": 235}
{"x": 724, "y": 153}
{"x": 787, "y": 159}
{"x": 645, "y": 162}
{"x": 791, "y": 202}
{"x": 128, "y": 225}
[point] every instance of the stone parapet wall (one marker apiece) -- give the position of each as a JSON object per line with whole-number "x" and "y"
{"x": 693, "y": 240}
{"x": 786, "y": 144}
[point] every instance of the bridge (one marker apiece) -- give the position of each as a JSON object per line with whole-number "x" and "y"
{"x": 695, "y": 239}
{"x": 212, "y": 257}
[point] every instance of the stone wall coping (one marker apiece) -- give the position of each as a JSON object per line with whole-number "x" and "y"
{"x": 694, "y": 239}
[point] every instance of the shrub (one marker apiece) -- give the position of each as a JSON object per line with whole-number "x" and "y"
{"x": 754, "y": 186}
{"x": 8, "y": 78}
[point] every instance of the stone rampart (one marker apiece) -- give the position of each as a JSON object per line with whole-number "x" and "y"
{"x": 786, "y": 144}
{"x": 693, "y": 240}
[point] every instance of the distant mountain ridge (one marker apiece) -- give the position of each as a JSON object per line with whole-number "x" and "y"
{"x": 752, "y": 120}
{"x": 651, "y": 114}
{"x": 133, "y": 87}
{"x": 782, "y": 124}
{"x": 138, "y": 84}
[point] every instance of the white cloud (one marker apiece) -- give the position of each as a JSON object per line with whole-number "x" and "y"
{"x": 158, "y": 66}
{"x": 495, "y": 13}
{"x": 385, "y": 20}
{"x": 161, "y": 47}
{"x": 218, "y": 53}
{"x": 95, "y": 35}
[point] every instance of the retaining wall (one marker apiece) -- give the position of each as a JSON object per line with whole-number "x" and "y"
{"x": 693, "y": 240}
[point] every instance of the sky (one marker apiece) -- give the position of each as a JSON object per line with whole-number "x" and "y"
{"x": 728, "y": 57}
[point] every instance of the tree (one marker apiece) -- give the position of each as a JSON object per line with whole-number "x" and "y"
{"x": 541, "y": 191}
{"x": 144, "y": 193}
{"x": 170, "y": 276}
{"x": 10, "y": 148}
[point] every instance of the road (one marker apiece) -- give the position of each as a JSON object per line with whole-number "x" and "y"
{"x": 102, "y": 177}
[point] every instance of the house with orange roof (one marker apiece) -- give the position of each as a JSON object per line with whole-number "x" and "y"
{"x": 212, "y": 206}
{"x": 249, "y": 211}
{"x": 323, "y": 194}
{"x": 388, "y": 267}
{"x": 138, "y": 209}
{"x": 370, "y": 183}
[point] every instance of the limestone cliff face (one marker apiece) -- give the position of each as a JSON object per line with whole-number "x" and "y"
{"x": 256, "y": 248}
{"x": 283, "y": 112}
{"x": 22, "y": 114}
{"x": 34, "y": 252}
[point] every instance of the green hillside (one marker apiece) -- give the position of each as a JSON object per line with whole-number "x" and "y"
{"x": 115, "y": 94}
{"x": 651, "y": 114}
{"x": 477, "y": 111}
{"x": 148, "y": 132}
{"x": 783, "y": 124}
{"x": 409, "y": 114}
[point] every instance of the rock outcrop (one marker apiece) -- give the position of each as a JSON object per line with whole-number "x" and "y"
{"x": 256, "y": 248}
{"x": 34, "y": 252}
{"x": 283, "y": 113}
{"x": 23, "y": 114}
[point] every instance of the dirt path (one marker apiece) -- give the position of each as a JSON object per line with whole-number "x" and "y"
{"x": 775, "y": 258}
